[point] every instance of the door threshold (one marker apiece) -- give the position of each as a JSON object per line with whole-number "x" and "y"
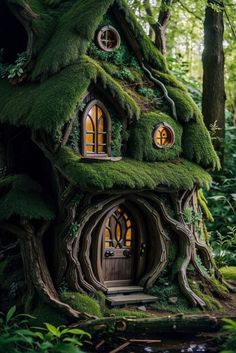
{"x": 129, "y": 299}
{"x": 124, "y": 289}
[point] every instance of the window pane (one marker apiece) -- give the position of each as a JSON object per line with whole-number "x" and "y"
{"x": 90, "y": 149}
{"x": 96, "y": 133}
{"x": 101, "y": 125}
{"x": 101, "y": 149}
{"x": 89, "y": 124}
{"x": 118, "y": 232}
{"x": 90, "y": 139}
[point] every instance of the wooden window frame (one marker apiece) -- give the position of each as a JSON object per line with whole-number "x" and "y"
{"x": 99, "y": 38}
{"x": 155, "y": 132}
{"x": 107, "y": 120}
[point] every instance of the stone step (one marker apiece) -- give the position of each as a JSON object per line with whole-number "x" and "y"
{"x": 134, "y": 298}
{"x": 124, "y": 289}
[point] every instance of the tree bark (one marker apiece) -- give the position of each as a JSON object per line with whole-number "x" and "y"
{"x": 213, "y": 100}
{"x": 160, "y": 26}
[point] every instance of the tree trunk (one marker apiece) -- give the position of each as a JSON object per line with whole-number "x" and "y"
{"x": 160, "y": 26}
{"x": 213, "y": 100}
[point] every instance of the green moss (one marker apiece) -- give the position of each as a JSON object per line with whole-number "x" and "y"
{"x": 44, "y": 313}
{"x": 23, "y": 197}
{"x": 166, "y": 290}
{"x": 49, "y": 105}
{"x": 183, "y": 102}
{"x": 211, "y": 303}
{"x": 75, "y": 26}
{"x": 204, "y": 207}
{"x": 197, "y": 145}
{"x": 229, "y": 273}
{"x": 129, "y": 173}
{"x": 151, "y": 55}
{"x": 169, "y": 80}
{"x": 127, "y": 313}
{"x": 116, "y": 139}
{"x": 82, "y": 303}
{"x": 141, "y": 143}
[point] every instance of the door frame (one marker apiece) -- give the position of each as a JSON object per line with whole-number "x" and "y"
{"x": 140, "y": 231}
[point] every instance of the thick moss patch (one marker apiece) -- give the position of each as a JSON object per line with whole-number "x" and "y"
{"x": 229, "y": 273}
{"x": 50, "y": 104}
{"x": 141, "y": 145}
{"x": 129, "y": 174}
{"x": 197, "y": 145}
{"x": 82, "y": 303}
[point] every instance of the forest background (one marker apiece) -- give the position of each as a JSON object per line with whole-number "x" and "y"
{"x": 186, "y": 32}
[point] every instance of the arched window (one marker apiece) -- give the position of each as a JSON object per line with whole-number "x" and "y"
{"x": 119, "y": 231}
{"x": 96, "y": 130}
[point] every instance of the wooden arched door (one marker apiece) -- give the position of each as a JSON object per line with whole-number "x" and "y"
{"x": 123, "y": 247}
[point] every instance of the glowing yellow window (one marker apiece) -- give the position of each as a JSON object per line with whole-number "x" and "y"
{"x": 164, "y": 136}
{"x": 96, "y": 125}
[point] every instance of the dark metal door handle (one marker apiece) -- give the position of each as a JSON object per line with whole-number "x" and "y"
{"x": 143, "y": 249}
{"x": 127, "y": 253}
{"x": 109, "y": 253}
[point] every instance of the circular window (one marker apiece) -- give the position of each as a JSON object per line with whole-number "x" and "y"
{"x": 108, "y": 38}
{"x": 164, "y": 136}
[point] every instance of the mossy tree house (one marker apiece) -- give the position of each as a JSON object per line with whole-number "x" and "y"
{"x": 103, "y": 156}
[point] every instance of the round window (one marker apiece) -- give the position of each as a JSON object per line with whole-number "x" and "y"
{"x": 108, "y": 38}
{"x": 164, "y": 136}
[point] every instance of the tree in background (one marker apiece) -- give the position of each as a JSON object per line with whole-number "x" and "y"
{"x": 213, "y": 99}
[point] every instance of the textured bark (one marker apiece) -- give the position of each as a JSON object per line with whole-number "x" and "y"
{"x": 160, "y": 26}
{"x": 213, "y": 100}
{"x": 186, "y": 324}
{"x": 37, "y": 274}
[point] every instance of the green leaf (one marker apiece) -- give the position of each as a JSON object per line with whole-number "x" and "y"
{"x": 53, "y": 330}
{"x": 76, "y": 331}
{"x": 73, "y": 341}
{"x": 40, "y": 335}
{"x": 10, "y": 313}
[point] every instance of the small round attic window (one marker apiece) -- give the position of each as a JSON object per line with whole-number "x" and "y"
{"x": 108, "y": 38}
{"x": 164, "y": 136}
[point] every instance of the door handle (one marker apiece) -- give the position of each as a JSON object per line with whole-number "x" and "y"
{"x": 109, "y": 253}
{"x": 127, "y": 253}
{"x": 143, "y": 249}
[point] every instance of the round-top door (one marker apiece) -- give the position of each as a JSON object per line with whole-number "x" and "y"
{"x": 119, "y": 244}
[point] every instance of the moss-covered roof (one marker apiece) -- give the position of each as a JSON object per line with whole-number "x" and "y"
{"x": 129, "y": 174}
{"x": 50, "y": 104}
{"x": 60, "y": 74}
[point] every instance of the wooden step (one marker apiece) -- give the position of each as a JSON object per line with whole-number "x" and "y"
{"x": 124, "y": 289}
{"x": 134, "y": 298}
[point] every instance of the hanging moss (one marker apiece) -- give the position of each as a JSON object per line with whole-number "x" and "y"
{"x": 197, "y": 145}
{"x": 129, "y": 173}
{"x": 141, "y": 145}
{"x": 49, "y": 105}
{"x": 203, "y": 204}
{"x": 183, "y": 102}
